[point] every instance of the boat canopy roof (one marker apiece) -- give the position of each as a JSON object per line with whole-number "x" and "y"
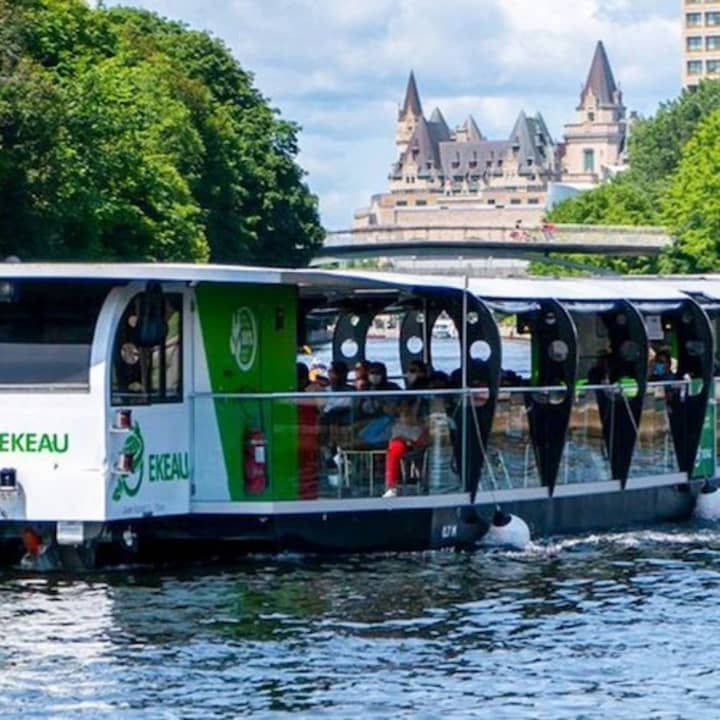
{"x": 652, "y": 289}
{"x": 708, "y": 287}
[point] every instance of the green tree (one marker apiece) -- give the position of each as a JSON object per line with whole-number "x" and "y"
{"x": 649, "y": 192}
{"x": 656, "y": 143}
{"x": 691, "y": 206}
{"x": 622, "y": 201}
{"x": 127, "y": 136}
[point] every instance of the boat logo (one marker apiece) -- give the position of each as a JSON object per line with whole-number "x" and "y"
{"x": 244, "y": 338}
{"x": 162, "y": 467}
{"x": 129, "y": 484}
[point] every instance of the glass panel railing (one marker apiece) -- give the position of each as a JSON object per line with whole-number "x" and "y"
{"x": 289, "y": 446}
{"x": 716, "y": 413}
{"x": 654, "y": 450}
{"x": 585, "y": 458}
{"x": 510, "y": 459}
{"x": 340, "y": 444}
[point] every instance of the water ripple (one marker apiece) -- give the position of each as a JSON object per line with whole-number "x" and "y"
{"x": 622, "y": 625}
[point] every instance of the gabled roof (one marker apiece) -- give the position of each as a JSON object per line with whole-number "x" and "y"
{"x": 439, "y": 130}
{"x": 412, "y": 99}
{"x": 471, "y": 158}
{"x": 543, "y": 128}
{"x": 437, "y": 117}
{"x": 600, "y": 79}
{"x": 531, "y": 140}
{"x": 472, "y": 130}
{"x": 422, "y": 148}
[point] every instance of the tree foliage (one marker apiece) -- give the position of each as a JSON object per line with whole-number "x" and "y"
{"x": 622, "y": 201}
{"x": 124, "y": 136}
{"x": 674, "y": 161}
{"x": 691, "y": 205}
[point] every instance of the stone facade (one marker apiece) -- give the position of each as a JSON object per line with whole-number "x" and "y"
{"x": 445, "y": 177}
{"x": 701, "y": 41}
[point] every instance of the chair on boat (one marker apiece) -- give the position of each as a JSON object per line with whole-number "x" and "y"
{"x": 414, "y": 470}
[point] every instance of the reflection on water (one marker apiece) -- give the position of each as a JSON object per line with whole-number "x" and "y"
{"x": 620, "y": 626}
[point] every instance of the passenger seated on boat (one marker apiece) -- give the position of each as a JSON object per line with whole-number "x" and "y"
{"x": 303, "y": 376}
{"x": 336, "y": 413}
{"x": 338, "y": 409}
{"x": 439, "y": 381}
{"x": 660, "y": 367}
{"x": 599, "y": 373}
{"x": 374, "y": 416}
{"x": 370, "y": 407}
{"x": 409, "y": 432}
{"x": 317, "y": 378}
{"x": 509, "y": 378}
{"x": 362, "y": 368}
{"x": 417, "y": 376}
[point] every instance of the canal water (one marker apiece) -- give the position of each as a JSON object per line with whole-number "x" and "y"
{"x": 601, "y": 626}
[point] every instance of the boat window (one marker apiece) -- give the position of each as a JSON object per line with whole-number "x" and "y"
{"x": 46, "y": 332}
{"x": 142, "y": 375}
{"x": 480, "y": 350}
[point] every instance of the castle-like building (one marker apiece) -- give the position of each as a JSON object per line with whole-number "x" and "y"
{"x": 445, "y": 177}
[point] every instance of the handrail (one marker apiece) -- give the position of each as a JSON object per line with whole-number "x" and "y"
{"x": 430, "y": 392}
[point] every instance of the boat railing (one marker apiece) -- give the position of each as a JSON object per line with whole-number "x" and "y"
{"x": 511, "y": 460}
{"x": 343, "y": 437}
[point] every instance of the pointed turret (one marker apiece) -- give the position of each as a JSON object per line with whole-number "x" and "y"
{"x": 437, "y": 117}
{"x": 411, "y": 103}
{"x": 531, "y": 144}
{"x": 408, "y": 115}
{"x": 473, "y": 131}
{"x": 594, "y": 143}
{"x": 600, "y": 81}
{"x": 468, "y": 132}
{"x": 422, "y": 148}
{"x": 439, "y": 130}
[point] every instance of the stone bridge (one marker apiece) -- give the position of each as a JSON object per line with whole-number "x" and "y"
{"x": 492, "y": 240}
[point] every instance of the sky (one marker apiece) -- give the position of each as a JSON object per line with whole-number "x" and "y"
{"x": 339, "y": 69}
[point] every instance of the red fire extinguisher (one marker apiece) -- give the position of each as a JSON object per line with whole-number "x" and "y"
{"x": 255, "y": 462}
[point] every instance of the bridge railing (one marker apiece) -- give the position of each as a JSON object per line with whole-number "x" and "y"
{"x": 653, "y": 238}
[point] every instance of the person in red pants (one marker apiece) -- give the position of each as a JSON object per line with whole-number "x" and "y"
{"x": 408, "y": 431}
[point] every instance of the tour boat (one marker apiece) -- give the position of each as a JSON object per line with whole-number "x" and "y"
{"x": 444, "y": 328}
{"x": 153, "y": 413}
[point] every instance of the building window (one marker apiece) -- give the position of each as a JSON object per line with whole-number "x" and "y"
{"x": 712, "y": 67}
{"x": 712, "y": 42}
{"x": 694, "y": 67}
{"x": 712, "y": 18}
{"x": 591, "y": 116}
{"x": 693, "y": 19}
{"x": 533, "y": 201}
{"x": 491, "y": 201}
{"x": 589, "y": 161}
{"x": 515, "y": 201}
{"x": 694, "y": 43}
{"x": 400, "y": 203}
{"x": 421, "y": 202}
